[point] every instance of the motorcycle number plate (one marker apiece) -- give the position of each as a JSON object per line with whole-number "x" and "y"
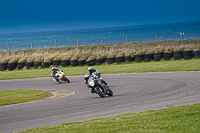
{"x": 91, "y": 83}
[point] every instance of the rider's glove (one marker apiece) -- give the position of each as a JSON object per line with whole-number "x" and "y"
{"x": 98, "y": 74}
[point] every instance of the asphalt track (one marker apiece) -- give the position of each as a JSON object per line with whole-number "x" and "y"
{"x": 134, "y": 92}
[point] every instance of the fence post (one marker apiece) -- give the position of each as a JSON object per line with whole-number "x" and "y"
{"x": 181, "y": 34}
{"x": 8, "y": 47}
{"x": 56, "y": 43}
{"x": 157, "y": 37}
{"x": 101, "y": 40}
{"x": 77, "y": 41}
{"x": 126, "y": 39}
{"x": 31, "y": 44}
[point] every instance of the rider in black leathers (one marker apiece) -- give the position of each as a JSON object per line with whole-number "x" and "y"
{"x": 91, "y": 71}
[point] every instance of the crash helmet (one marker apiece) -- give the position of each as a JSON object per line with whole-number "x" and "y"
{"x": 86, "y": 76}
{"x": 53, "y": 68}
{"x": 90, "y": 68}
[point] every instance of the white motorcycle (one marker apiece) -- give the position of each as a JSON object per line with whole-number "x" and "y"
{"x": 59, "y": 77}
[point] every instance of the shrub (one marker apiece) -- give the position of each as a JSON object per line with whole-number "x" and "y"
{"x": 84, "y": 57}
{"x": 75, "y": 57}
{"x": 57, "y": 57}
{"x": 39, "y": 59}
{"x": 30, "y": 59}
{"x": 111, "y": 55}
{"x": 14, "y": 59}
{"x": 120, "y": 54}
{"x": 22, "y": 60}
{"x": 4, "y": 60}
{"x": 91, "y": 58}
{"x": 48, "y": 59}
{"x": 101, "y": 56}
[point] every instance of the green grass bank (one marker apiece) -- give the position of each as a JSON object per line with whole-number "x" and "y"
{"x": 182, "y": 119}
{"x": 8, "y": 97}
{"x": 132, "y": 67}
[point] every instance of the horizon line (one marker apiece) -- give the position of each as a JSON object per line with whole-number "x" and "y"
{"x": 100, "y": 27}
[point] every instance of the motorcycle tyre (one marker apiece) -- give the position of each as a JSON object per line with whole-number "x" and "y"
{"x": 110, "y": 92}
{"x": 100, "y": 93}
{"x": 67, "y": 80}
{"x": 59, "y": 81}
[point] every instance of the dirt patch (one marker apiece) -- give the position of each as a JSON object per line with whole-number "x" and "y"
{"x": 54, "y": 94}
{"x": 62, "y": 93}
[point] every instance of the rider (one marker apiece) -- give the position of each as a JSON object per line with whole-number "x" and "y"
{"x": 54, "y": 71}
{"x": 91, "y": 71}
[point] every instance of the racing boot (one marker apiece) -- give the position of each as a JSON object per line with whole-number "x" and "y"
{"x": 105, "y": 83}
{"x": 92, "y": 90}
{"x": 56, "y": 77}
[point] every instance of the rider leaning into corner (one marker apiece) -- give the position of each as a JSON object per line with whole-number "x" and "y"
{"x": 54, "y": 71}
{"x": 91, "y": 71}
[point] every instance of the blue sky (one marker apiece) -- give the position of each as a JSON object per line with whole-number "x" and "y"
{"x": 47, "y": 15}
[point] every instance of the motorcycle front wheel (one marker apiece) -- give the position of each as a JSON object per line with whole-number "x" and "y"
{"x": 110, "y": 92}
{"x": 67, "y": 80}
{"x": 59, "y": 81}
{"x": 100, "y": 92}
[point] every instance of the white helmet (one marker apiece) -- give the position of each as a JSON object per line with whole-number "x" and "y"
{"x": 90, "y": 68}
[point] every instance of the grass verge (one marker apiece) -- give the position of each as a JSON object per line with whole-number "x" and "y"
{"x": 133, "y": 67}
{"x": 20, "y": 96}
{"x": 174, "y": 119}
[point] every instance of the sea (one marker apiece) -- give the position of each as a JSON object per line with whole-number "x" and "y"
{"x": 110, "y": 35}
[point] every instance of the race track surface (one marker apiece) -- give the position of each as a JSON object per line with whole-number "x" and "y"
{"x": 134, "y": 92}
